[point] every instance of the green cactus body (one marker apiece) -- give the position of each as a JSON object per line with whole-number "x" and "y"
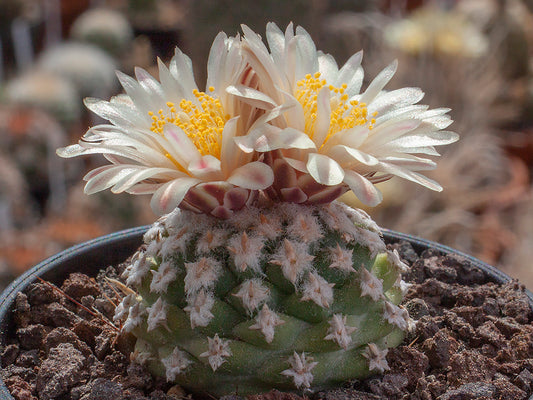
{"x": 287, "y": 297}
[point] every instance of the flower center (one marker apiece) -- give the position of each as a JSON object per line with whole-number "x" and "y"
{"x": 202, "y": 121}
{"x": 345, "y": 113}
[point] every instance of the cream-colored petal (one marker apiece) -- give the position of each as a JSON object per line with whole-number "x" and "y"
{"x": 143, "y": 188}
{"x": 231, "y": 156}
{"x": 324, "y": 170}
{"x": 385, "y": 133}
{"x": 170, "y": 195}
{"x": 410, "y": 162}
{"x": 144, "y": 173}
{"x": 136, "y": 152}
{"x": 154, "y": 91}
{"x": 181, "y": 147}
{"x": 268, "y": 116}
{"x": 352, "y": 74}
{"x": 256, "y": 54}
{"x": 435, "y": 138}
{"x": 255, "y": 175}
{"x": 298, "y": 165}
{"x": 118, "y": 114}
{"x": 363, "y": 189}
{"x": 251, "y": 96}
{"x": 276, "y": 42}
{"x": 410, "y": 176}
{"x": 206, "y": 168}
{"x": 268, "y": 138}
{"x": 352, "y": 137}
{"x": 379, "y": 82}
{"x": 327, "y": 66}
{"x": 174, "y": 91}
{"x": 306, "y": 57}
{"x": 347, "y": 155}
{"x": 323, "y": 116}
{"x": 106, "y": 176}
{"x": 135, "y": 91}
{"x": 395, "y": 99}
{"x": 215, "y": 60}
{"x": 181, "y": 69}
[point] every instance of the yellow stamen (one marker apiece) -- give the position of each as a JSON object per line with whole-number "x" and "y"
{"x": 202, "y": 120}
{"x": 345, "y": 114}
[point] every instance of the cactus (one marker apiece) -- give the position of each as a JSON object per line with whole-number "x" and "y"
{"x": 90, "y": 69}
{"x": 104, "y": 28}
{"x": 289, "y": 296}
{"x": 255, "y": 277}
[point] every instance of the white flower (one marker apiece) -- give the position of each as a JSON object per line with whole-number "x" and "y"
{"x": 376, "y": 358}
{"x": 218, "y": 349}
{"x": 266, "y": 321}
{"x": 300, "y": 371}
{"x": 175, "y": 364}
{"x": 173, "y": 141}
{"x": 330, "y": 136}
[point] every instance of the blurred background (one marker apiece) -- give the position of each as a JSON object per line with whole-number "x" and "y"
{"x": 474, "y": 56}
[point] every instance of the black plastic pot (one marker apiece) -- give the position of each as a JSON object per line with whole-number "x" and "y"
{"x": 91, "y": 256}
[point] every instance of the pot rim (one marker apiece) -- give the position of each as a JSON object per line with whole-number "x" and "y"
{"x": 419, "y": 244}
{"x": 67, "y": 256}
{"x": 132, "y": 238}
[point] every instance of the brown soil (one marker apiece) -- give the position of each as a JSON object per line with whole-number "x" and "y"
{"x": 473, "y": 340}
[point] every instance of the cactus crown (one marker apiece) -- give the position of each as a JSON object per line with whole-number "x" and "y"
{"x": 285, "y": 288}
